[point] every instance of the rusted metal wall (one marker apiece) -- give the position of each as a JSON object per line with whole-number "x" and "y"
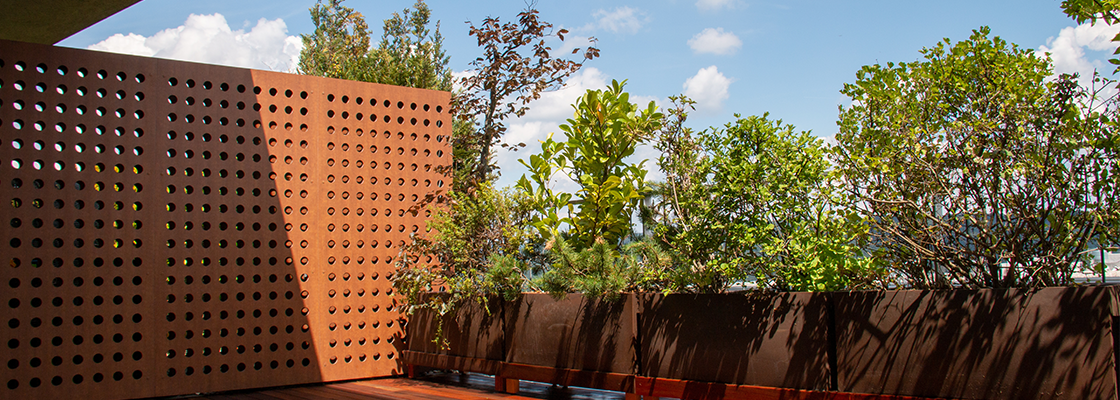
{"x": 1050, "y": 343}
{"x": 1055, "y": 343}
{"x": 574, "y": 332}
{"x": 175, "y": 228}
{"x": 470, "y": 338}
{"x": 769, "y": 339}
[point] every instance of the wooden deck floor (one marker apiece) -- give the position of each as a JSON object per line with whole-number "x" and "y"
{"x": 434, "y": 387}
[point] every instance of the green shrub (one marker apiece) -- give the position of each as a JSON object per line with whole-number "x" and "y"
{"x": 477, "y": 247}
{"x": 755, "y": 200}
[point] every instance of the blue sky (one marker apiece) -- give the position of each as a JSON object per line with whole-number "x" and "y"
{"x": 734, "y": 56}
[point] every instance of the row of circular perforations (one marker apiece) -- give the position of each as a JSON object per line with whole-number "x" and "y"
{"x": 75, "y": 290}
{"x": 360, "y": 318}
{"x": 412, "y": 153}
{"x": 41, "y": 100}
{"x": 234, "y": 303}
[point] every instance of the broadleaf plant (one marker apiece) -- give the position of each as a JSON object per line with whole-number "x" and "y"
{"x": 604, "y": 131}
{"x": 586, "y": 229}
{"x": 977, "y": 168}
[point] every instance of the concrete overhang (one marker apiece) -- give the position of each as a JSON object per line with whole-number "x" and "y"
{"x": 50, "y": 21}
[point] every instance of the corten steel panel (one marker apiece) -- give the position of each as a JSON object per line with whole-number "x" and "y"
{"x": 175, "y": 228}
{"x": 574, "y": 332}
{"x": 762, "y": 339}
{"x": 978, "y": 344}
{"x": 473, "y": 330}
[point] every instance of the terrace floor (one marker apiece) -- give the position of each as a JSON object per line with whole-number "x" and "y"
{"x": 432, "y": 387}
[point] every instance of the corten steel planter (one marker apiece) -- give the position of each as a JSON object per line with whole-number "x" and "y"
{"x": 990, "y": 344}
{"x": 575, "y": 341}
{"x": 474, "y": 338}
{"x": 762, "y": 339}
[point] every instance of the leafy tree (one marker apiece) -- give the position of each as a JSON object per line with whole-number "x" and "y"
{"x": 1093, "y": 11}
{"x": 604, "y": 131}
{"x": 675, "y": 208}
{"x": 681, "y": 160}
{"x": 772, "y": 193}
{"x": 975, "y": 169}
{"x": 409, "y": 53}
{"x": 341, "y": 36}
{"x": 515, "y": 68}
{"x": 479, "y": 245}
{"x": 465, "y": 145}
{"x": 755, "y": 199}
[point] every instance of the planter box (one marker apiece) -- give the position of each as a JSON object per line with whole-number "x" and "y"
{"x": 575, "y": 341}
{"x": 474, "y": 337}
{"x": 760, "y": 339}
{"x": 978, "y": 344}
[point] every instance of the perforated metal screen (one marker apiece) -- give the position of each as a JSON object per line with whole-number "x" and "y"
{"x": 175, "y": 228}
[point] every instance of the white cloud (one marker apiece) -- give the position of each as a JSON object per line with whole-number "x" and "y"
{"x": 556, "y": 106}
{"x": 130, "y": 44}
{"x": 643, "y": 101}
{"x": 457, "y": 76}
{"x": 544, "y": 116}
{"x": 572, "y": 42}
{"x": 209, "y": 39}
{"x": 711, "y": 5}
{"x": 708, "y": 88}
{"x": 715, "y": 41}
{"x": 646, "y": 152}
{"x": 621, "y": 19}
{"x": 1067, "y": 51}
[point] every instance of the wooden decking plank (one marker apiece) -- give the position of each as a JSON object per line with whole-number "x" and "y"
{"x": 287, "y": 394}
{"x": 333, "y": 392}
{"x": 446, "y": 387}
{"x": 434, "y": 393}
{"x": 437, "y": 390}
{"x": 262, "y": 395}
{"x": 369, "y": 384}
{"x": 352, "y": 390}
{"x": 361, "y": 389}
{"x": 323, "y": 392}
{"x": 432, "y": 389}
{"x": 236, "y": 396}
{"x": 253, "y": 396}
